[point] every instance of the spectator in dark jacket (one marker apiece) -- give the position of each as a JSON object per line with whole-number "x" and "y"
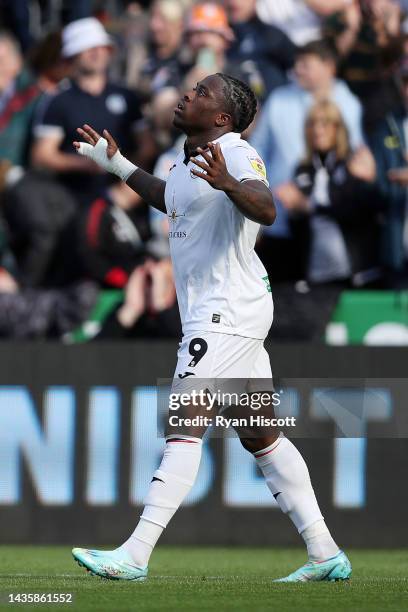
{"x": 338, "y": 203}
{"x": 334, "y": 209}
{"x": 264, "y": 51}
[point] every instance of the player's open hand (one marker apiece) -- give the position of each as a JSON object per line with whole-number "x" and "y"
{"x": 214, "y": 166}
{"x": 92, "y": 138}
{"x": 104, "y": 151}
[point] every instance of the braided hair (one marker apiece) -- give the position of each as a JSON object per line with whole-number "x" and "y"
{"x": 240, "y": 102}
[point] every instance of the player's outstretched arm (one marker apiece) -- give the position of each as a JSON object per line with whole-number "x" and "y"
{"x": 105, "y": 152}
{"x": 251, "y": 197}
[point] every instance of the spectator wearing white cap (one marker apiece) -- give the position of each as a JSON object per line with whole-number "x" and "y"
{"x": 82, "y": 35}
{"x": 89, "y": 98}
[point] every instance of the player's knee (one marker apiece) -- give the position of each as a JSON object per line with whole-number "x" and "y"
{"x": 189, "y": 420}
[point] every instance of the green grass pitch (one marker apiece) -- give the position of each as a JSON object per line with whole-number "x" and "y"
{"x": 213, "y": 579}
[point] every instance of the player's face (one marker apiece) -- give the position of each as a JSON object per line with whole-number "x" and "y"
{"x": 201, "y": 108}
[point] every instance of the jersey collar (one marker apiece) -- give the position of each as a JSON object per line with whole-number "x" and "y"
{"x": 229, "y": 136}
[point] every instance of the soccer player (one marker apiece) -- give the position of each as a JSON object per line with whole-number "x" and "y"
{"x": 216, "y": 196}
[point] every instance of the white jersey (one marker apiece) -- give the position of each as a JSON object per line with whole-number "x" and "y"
{"x": 221, "y": 283}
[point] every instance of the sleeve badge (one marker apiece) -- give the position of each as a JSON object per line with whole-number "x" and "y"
{"x": 258, "y": 165}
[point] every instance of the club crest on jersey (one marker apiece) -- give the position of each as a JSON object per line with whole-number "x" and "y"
{"x": 173, "y": 216}
{"x": 258, "y": 166}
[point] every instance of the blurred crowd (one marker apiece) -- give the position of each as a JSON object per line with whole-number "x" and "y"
{"x": 331, "y": 78}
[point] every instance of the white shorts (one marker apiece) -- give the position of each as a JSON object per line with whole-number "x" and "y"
{"x": 209, "y": 358}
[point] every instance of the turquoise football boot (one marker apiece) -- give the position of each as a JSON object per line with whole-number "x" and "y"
{"x": 333, "y": 569}
{"x": 111, "y": 564}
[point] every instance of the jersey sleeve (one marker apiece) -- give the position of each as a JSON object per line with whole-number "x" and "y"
{"x": 50, "y": 118}
{"x": 244, "y": 164}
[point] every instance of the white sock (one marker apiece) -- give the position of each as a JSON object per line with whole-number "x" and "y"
{"x": 320, "y": 544}
{"x": 288, "y": 479}
{"x": 170, "y": 485}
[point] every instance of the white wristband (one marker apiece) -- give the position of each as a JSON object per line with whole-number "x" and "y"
{"x": 118, "y": 164}
{"x": 122, "y": 167}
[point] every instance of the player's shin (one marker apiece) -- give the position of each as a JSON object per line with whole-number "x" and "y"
{"x": 287, "y": 477}
{"x": 170, "y": 485}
